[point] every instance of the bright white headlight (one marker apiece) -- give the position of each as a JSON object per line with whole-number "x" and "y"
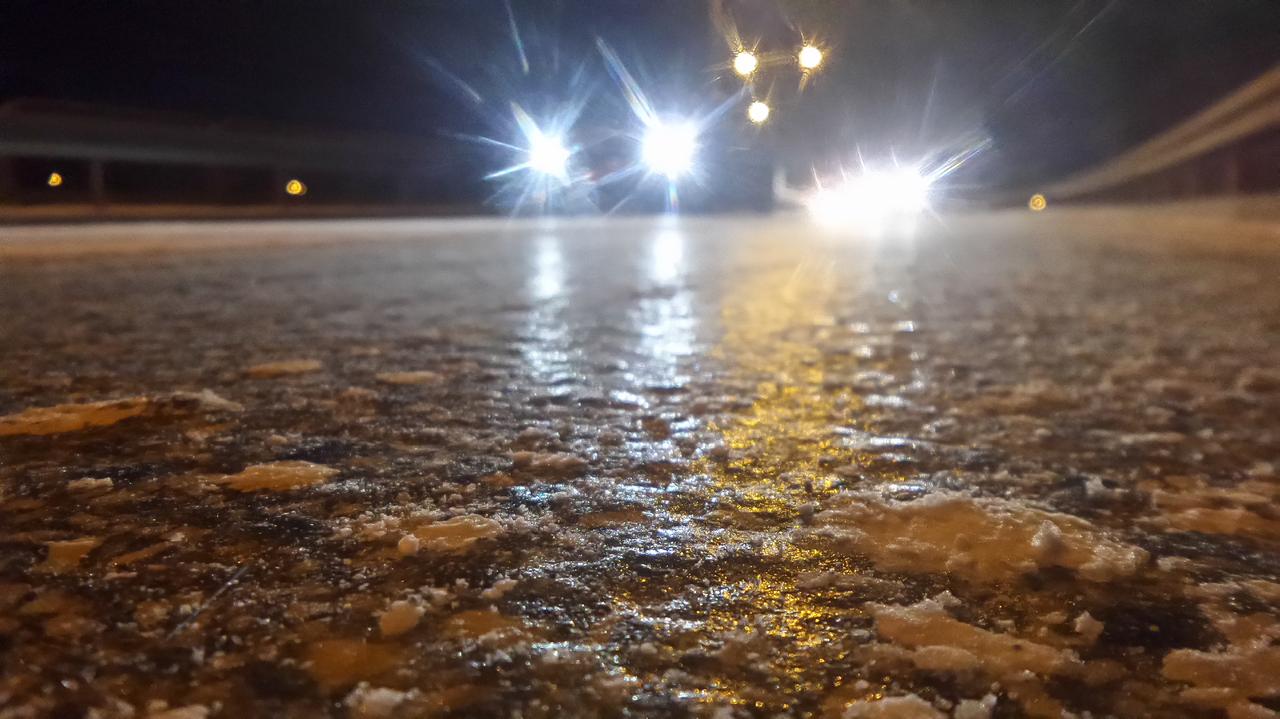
{"x": 904, "y": 190}
{"x": 548, "y": 155}
{"x": 669, "y": 149}
{"x": 872, "y": 199}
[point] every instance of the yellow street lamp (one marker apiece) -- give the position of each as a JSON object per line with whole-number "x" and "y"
{"x": 810, "y": 57}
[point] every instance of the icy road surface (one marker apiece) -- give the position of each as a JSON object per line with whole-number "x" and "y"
{"x": 1023, "y": 465}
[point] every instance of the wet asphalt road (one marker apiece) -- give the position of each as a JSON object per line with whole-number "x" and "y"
{"x": 1014, "y": 466}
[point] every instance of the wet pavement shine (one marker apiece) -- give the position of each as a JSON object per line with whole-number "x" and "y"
{"x": 639, "y": 467}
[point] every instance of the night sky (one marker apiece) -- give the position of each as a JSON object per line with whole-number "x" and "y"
{"x": 1057, "y": 85}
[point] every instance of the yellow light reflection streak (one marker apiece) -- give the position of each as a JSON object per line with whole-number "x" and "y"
{"x": 769, "y": 321}
{"x": 775, "y": 319}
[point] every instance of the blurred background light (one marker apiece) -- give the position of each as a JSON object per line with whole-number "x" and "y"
{"x": 745, "y": 63}
{"x": 55, "y": 179}
{"x": 295, "y": 187}
{"x": 758, "y": 112}
{"x": 1037, "y": 202}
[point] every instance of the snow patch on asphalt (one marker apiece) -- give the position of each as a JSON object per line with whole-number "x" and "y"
{"x": 981, "y": 539}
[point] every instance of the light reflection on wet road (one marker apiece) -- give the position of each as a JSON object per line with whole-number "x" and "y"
{"x": 640, "y": 467}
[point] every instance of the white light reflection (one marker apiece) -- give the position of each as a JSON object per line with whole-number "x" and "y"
{"x": 664, "y": 315}
{"x": 546, "y": 347}
{"x": 666, "y": 263}
{"x": 547, "y": 280}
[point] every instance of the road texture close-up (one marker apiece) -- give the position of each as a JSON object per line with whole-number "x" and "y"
{"x": 1020, "y": 464}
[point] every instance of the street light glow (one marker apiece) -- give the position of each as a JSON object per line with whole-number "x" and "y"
{"x": 745, "y": 63}
{"x": 548, "y": 155}
{"x": 810, "y": 57}
{"x": 55, "y": 179}
{"x": 295, "y": 187}
{"x": 669, "y": 149}
{"x": 758, "y": 112}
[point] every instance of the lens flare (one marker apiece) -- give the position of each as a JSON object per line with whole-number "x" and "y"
{"x": 903, "y": 190}
{"x": 810, "y": 57}
{"x": 873, "y": 200}
{"x": 745, "y": 63}
{"x": 758, "y": 112}
{"x": 544, "y": 158}
{"x": 548, "y": 155}
{"x": 669, "y": 149}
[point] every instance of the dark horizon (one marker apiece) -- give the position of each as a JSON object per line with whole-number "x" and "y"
{"x": 1058, "y": 86}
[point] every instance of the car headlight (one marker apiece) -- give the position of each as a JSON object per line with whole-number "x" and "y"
{"x": 670, "y": 148}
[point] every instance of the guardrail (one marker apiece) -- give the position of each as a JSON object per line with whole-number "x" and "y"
{"x": 66, "y": 130}
{"x": 57, "y": 153}
{"x": 1171, "y": 162}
